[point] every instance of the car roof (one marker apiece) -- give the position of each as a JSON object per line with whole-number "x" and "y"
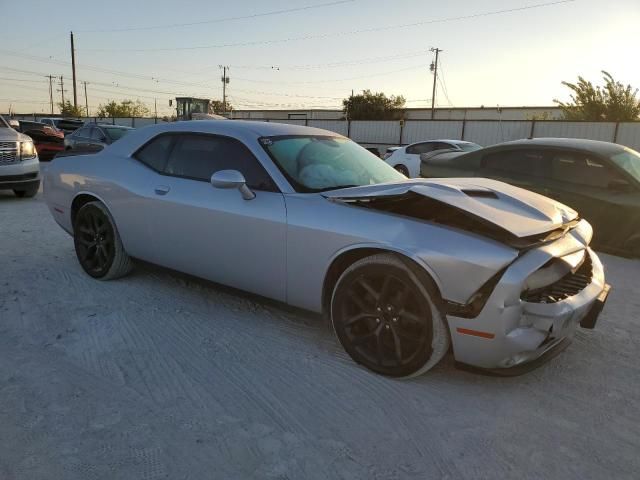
{"x": 448, "y": 140}
{"x": 111, "y": 125}
{"x": 261, "y": 129}
{"x": 596, "y": 146}
{"x": 234, "y": 128}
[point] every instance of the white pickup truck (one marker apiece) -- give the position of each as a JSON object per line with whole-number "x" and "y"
{"x": 19, "y": 164}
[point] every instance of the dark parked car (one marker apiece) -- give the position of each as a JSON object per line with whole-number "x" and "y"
{"x": 94, "y": 136}
{"x": 65, "y": 125}
{"x": 601, "y": 180}
{"x": 47, "y": 140}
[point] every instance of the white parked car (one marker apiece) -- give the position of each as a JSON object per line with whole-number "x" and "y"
{"x": 407, "y": 159}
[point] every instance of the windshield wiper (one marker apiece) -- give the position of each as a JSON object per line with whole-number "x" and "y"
{"x": 337, "y": 187}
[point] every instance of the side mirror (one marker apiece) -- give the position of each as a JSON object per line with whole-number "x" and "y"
{"x": 232, "y": 179}
{"x": 15, "y": 124}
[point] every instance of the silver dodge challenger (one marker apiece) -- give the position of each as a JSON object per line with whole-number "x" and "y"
{"x": 403, "y": 269}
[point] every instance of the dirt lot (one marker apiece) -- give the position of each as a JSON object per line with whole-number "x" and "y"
{"x": 162, "y": 376}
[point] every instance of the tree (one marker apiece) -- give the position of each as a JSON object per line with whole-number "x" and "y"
{"x": 126, "y": 108}
{"x": 216, "y": 106}
{"x": 68, "y": 110}
{"x": 614, "y": 102}
{"x": 373, "y": 106}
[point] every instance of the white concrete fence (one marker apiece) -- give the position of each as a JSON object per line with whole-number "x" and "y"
{"x": 383, "y": 134}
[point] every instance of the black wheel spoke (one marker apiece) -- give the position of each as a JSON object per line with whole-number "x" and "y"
{"x": 370, "y": 290}
{"x": 397, "y": 345}
{"x": 87, "y": 243}
{"x": 384, "y": 292}
{"x": 360, "y": 339}
{"x": 410, "y": 316}
{"x": 356, "y": 318}
{"x": 355, "y": 298}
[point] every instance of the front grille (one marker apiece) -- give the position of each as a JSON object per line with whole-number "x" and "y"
{"x": 8, "y": 152}
{"x": 568, "y": 286}
{"x": 18, "y": 178}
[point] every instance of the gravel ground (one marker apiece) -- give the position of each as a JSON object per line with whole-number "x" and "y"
{"x": 159, "y": 375}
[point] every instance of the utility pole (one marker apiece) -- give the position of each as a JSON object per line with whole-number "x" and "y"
{"x": 50, "y": 77}
{"x": 225, "y": 81}
{"x": 73, "y": 70}
{"x": 86, "y": 101}
{"x": 62, "y": 88}
{"x": 155, "y": 108}
{"x": 434, "y": 69}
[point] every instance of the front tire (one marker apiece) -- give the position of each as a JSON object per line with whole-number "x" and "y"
{"x": 97, "y": 243}
{"x": 386, "y": 317}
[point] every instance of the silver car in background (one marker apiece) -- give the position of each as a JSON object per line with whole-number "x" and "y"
{"x": 403, "y": 268}
{"x": 19, "y": 163}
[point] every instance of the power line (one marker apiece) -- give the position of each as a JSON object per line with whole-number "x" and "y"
{"x": 220, "y": 20}
{"x": 334, "y": 34}
{"x": 443, "y": 84}
{"x": 414, "y": 67}
{"x": 330, "y": 65}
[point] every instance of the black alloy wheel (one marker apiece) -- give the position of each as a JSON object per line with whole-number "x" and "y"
{"x": 384, "y": 319}
{"x": 94, "y": 241}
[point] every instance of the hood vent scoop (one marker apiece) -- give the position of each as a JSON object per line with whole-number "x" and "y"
{"x": 480, "y": 193}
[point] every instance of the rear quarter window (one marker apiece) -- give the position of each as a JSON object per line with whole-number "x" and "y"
{"x": 155, "y": 153}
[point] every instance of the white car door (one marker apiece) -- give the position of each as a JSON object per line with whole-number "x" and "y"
{"x": 412, "y": 157}
{"x": 214, "y": 233}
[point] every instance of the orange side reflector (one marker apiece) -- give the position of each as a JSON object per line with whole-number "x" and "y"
{"x": 475, "y": 333}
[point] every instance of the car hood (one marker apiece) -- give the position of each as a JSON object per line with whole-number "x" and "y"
{"x": 519, "y": 212}
{"x": 11, "y": 135}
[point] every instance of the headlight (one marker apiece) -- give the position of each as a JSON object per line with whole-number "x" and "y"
{"x": 27, "y": 150}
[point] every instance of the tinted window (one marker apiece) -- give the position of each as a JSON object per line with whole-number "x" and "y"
{"x": 115, "y": 133}
{"x": 82, "y": 132}
{"x": 97, "y": 135}
{"x": 419, "y": 148}
{"x": 155, "y": 153}
{"x": 442, "y": 146}
{"x": 581, "y": 169}
{"x": 520, "y": 162}
{"x": 24, "y": 126}
{"x": 200, "y": 156}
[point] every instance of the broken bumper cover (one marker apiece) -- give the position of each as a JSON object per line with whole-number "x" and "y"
{"x": 509, "y": 331}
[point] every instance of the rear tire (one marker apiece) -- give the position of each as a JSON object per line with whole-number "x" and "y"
{"x": 403, "y": 170}
{"x": 98, "y": 245}
{"x": 387, "y": 317}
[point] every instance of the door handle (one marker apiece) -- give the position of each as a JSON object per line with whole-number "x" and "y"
{"x": 162, "y": 190}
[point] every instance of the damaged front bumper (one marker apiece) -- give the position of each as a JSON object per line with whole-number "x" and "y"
{"x": 514, "y": 329}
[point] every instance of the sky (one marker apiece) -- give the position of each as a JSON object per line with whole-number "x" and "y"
{"x": 313, "y": 53}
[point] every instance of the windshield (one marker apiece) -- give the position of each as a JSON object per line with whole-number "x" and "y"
{"x": 319, "y": 163}
{"x": 469, "y": 147}
{"x": 629, "y": 160}
{"x": 116, "y": 133}
{"x": 3, "y": 123}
